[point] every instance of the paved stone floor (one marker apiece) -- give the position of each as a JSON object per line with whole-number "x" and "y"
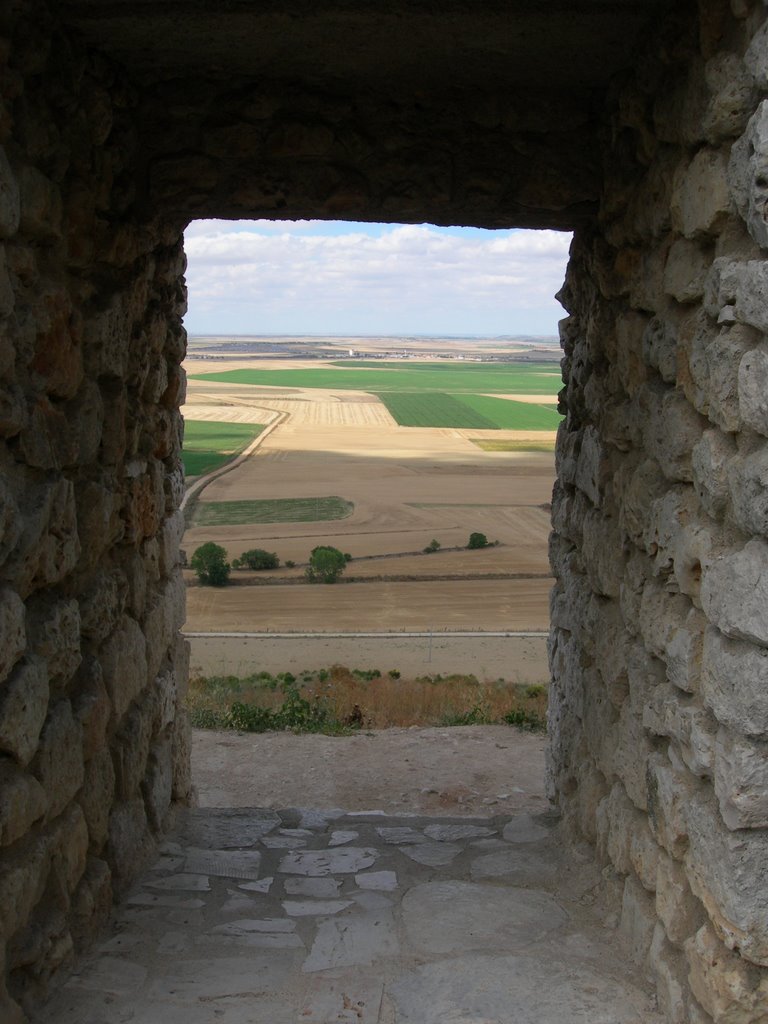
{"x": 309, "y": 917}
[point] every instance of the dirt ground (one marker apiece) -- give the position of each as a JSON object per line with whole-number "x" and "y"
{"x": 464, "y": 770}
{"x": 517, "y": 659}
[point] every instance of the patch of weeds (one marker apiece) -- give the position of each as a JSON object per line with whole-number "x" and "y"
{"x": 535, "y": 690}
{"x": 366, "y": 673}
{"x": 207, "y": 718}
{"x": 529, "y": 721}
{"x": 476, "y": 715}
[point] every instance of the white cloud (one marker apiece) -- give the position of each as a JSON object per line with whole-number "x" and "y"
{"x": 313, "y": 277}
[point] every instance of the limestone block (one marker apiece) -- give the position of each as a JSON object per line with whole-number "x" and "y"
{"x": 130, "y": 845}
{"x": 22, "y": 882}
{"x": 684, "y": 652}
{"x": 734, "y": 683}
{"x": 167, "y": 694}
{"x": 130, "y": 747}
{"x": 51, "y": 545}
{"x": 7, "y": 302}
{"x": 54, "y": 636}
{"x": 97, "y": 797}
{"x": 661, "y": 615}
{"x": 741, "y": 780}
{"x": 91, "y": 902}
{"x": 700, "y": 200}
{"x": 686, "y": 270}
{"x": 670, "y": 789}
{"x": 753, "y": 390}
{"x": 630, "y": 364}
{"x": 748, "y": 487}
{"x": 660, "y": 348}
{"x": 752, "y": 294}
{"x": 710, "y": 461}
{"x": 724, "y": 356}
{"x": 672, "y": 429}
{"x": 158, "y": 785}
{"x": 617, "y": 821}
{"x": 612, "y": 643}
{"x": 603, "y": 553}
{"x": 668, "y": 713}
{"x": 639, "y": 568}
{"x": 170, "y": 537}
{"x": 668, "y": 971}
{"x": 638, "y": 921}
{"x": 756, "y": 57}
{"x": 164, "y": 621}
{"x": 59, "y": 762}
{"x": 728, "y": 871}
{"x": 181, "y": 744}
{"x": 633, "y": 748}
{"x": 735, "y": 590}
{"x": 12, "y": 630}
{"x": 748, "y": 175}
{"x": 731, "y": 89}
{"x": 646, "y": 485}
{"x": 644, "y": 853}
{"x": 102, "y": 604}
{"x": 69, "y": 849}
{"x": 23, "y": 707}
{"x": 22, "y": 802}
{"x": 10, "y": 205}
{"x": 124, "y": 663}
{"x": 591, "y": 466}
{"x": 730, "y": 990}
{"x": 40, "y": 204}
{"x": 677, "y": 907}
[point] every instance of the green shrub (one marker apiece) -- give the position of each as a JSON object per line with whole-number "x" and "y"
{"x": 434, "y": 545}
{"x": 530, "y": 721}
{"x": 258, "y": 559}
{"x": 326, "y": 564}
{"x": 210, "y": 565}
{"x": 477, "y": 540}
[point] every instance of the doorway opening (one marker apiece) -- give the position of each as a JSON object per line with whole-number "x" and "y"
{"x": 387, "y": 395}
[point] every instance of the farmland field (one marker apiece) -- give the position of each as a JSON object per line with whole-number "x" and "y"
{"x": 435, "y": 409}
{"x": 501, "y": 378}
{"x": 276, "y": 510}
{"x": 209, "y": 444}
{"x": 505, "y": 445}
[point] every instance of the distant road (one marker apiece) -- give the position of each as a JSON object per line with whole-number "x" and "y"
{"x": 425, "y": 634}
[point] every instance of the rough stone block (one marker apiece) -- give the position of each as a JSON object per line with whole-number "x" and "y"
{"x": 672, "y": 429}
{"x": 753, "y": 390}
{"x": 23, "y": 874}
{"x": 97, "y": 797}
{"x": 660, "y": 348}
{"x": 723, "y": 357}
{"x": 730, "y": 990}
{"x": 734, "y": 683}
{"x": 59, "y": 762}
{"x": 684, "y": 652}
{"x": 741, "y": 780}
{"x": 734, "y": 593}
{"x": 728, "y": 872}
{"x": 644, "y": 853}
{"x": 731, "y": 96}
{"x": 22, "y": 802}
{"x": 158, "y": 785}
{"x": 10, "y": 205}
{"x": 748, "y": 486}
{"x": 92, "y": 706}
{"x": 12, "y": 630}
{"x": 686, "y": 271}
{"x": 54, "y": 636}
{"x": 670, "y": 790}
{"x": 102, "y": 604}
{"x": 23, "y": 707}
{"x": 677, "y": 907}
{"x": 69, "y": 849}
{"x": 40, "y": 205}
{"x": 638, "y": 920}
{"x": 124, "y": 663}
{"x": 181, "y": 744}
{"x": 591, "y": 466}
{"x": 668, "y": 713}
{"x": 669, "y": 972}
{"x": 617, "y": 821}
{"x": 756, "y": 57}
{"x": 163, "y": 621}
{"x": 130, "y": 747}
{"x": 701, "y": 200}
{"x": 711, "y": 460}
{"x": 748, "y": 175}
{"x": 91, "y": 902}
{"x": 130, "y": 844}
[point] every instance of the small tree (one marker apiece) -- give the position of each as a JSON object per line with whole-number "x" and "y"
{"x": 478, "y": 540}
{"x": 326, "y": 564}
{"x": 434, "y": 545}
{"x": 258, "y": 559}
{"x": 210, "y": 564}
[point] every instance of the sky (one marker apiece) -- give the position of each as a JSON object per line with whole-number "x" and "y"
{"x": 341, "y": 278}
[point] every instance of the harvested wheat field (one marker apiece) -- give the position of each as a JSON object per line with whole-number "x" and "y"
{"x": 407, "y": 486}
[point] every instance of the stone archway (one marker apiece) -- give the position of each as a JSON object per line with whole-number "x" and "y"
{"x": 647, "y": 135}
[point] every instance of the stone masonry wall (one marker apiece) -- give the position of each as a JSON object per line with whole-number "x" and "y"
{"x": 659, "y": 644}
{"x": 93, "y": 749}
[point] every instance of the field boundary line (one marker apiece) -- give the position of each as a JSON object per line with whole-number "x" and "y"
{"x": 202, "y": 482}
{"x": 388, "y": 635}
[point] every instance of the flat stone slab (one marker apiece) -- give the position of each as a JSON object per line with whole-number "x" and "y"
{"x": 262, "y": 885}
{"x": 523, "y": 829}
{"x": 434, "y": 855}
{"x": 342, "y": 836}
{"x": 353, "y": 940}
{"x": 231, "y": 828}
{"x": 315, "y": 908}
{"x": 224, "y": 863}
{"x": 451, "y": 833}
{"x": 383, "y": 881}
{"x": 343, "y": 861}
{"x": 345, "y": 998}
{"x": 398, "y": 834}
{"x": 519, "y": 989}
{"x": 454, "y": 916}
{"x": 184, "y": 882}
{"x": 317, "y": 888}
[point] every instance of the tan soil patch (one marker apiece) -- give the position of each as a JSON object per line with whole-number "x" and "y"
{"x": 475, "y": 769}
{"x": 468, "y": 604}
{"x": 229, "y": 413}
{"x": 518, "y": 659}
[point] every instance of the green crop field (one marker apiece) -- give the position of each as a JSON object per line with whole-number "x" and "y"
{"x": 448, "y": 378}
{"x": 433, "y": 409}
{"x": 489, "y": 445}
{"x": 271, "y": 510}
{"x": 209, "y": 445}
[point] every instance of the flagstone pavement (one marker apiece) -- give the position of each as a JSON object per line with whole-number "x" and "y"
{"x": 324, "y": 917}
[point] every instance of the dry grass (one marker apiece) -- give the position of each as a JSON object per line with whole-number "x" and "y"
{"x": 338, "y": 698}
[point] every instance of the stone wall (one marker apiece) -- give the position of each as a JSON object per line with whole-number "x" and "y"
{"x": 93, "y": 750}
{"x": 659, "y": 645}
